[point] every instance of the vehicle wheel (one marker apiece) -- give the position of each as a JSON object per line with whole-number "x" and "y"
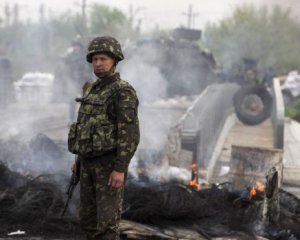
{"x": 253, "y": 104}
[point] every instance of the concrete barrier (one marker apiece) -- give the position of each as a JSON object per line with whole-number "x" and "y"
{"x": 199, "y": 128}
{"x": 277, "y": 116}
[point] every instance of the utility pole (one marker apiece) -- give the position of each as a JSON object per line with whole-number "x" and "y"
{"x": 16, "y": 14}
{"x": 190, "y": 17}
{"x": 7, "y": 15}
{"x": 133, "y": 12}
{"x": 83, "y": 12}
{"x": 42, "y": 14}
{"x": 83, "y": 15}
{"x": 83, "y": 27}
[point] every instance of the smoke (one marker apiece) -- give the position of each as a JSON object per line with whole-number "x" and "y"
{"x": 150, "y": 169}
{"x": 158, "y": 72}
{"x": 147, "y": 79}
{"x": 158, "y": 77}
{"x": 41, "y": 103}
{"x": 22, "y": 147}
{"x": 155, "y": 122}
{"x": 40, "y": 155}
{"x": 151, "y": 86}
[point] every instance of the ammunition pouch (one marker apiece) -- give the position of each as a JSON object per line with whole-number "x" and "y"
{"x": 92, "y": 140}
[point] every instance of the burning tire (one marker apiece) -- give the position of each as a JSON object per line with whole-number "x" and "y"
{"x": 253, "y": 104}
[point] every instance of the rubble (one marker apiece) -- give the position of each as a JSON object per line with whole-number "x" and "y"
{"x": 39, "y": 198}
{"x": 152, "y": 209}
{"x": 213, "y": 212}
{"x": 39, "y": 155}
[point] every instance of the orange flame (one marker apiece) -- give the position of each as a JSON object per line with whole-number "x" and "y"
{"x": 194, "y": 183}
{"x": 194, "y": 166}
{"x": 260, "y": 186}
{"x": 252, "y": 192}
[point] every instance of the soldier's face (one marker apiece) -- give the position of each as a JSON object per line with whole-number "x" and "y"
{"x": 102, "y": 63}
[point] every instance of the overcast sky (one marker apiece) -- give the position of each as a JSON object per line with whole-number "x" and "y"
{"x": 162, "y": 13}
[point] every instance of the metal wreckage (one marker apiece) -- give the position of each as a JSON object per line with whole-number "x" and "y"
{"x": 247, "y": 202}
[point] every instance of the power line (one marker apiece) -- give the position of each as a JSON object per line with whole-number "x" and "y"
{"x": 83, "y": 7}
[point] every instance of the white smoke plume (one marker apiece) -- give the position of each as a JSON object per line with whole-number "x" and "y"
{"x": 147, "y": 80}
{"x": 157, "y": 115}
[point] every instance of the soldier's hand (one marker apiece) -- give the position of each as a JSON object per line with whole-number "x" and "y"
{"x": 75, "y": 165}
{"x": 74, "y": 168}
{"x": 116, "y": 180}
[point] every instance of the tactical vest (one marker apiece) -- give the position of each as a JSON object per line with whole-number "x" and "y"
{"x": 95, "y": 132}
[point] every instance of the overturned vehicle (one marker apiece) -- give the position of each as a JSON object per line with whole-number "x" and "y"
{"x": 253, "y": 101}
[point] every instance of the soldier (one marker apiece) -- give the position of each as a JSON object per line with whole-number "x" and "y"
{"x": 105, "y": 138}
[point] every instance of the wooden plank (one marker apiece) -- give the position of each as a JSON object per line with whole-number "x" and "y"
{"x": 134, "y": 230}
{"x": 249, "y": 164}
{"x": 243, "y": 135}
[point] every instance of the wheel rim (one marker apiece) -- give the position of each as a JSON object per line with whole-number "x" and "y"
{"x": 252, "y": 105}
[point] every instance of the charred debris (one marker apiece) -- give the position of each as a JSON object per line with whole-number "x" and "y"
{"x": 33, "y": 203}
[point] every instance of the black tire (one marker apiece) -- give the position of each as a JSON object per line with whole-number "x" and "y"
{"x": 264, "y": 100}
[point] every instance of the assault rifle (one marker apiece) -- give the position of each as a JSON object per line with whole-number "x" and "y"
{"x": 73, "y": 182}
{"x": 89, "y": 101}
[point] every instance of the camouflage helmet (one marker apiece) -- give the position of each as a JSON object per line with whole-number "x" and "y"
{"x": 104, "y": 44}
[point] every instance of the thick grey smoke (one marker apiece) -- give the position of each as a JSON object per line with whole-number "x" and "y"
{"x": 147, "y": 79}
{"x": 146, "y": 71}
{"x": 41, "y": 102}
{"x": 152, "y": 71}
{"x": 151, "y": 86}
{"x": 23, "y": 148}
{"x": 157, "y": 172}
{"x": 155, "y": 121}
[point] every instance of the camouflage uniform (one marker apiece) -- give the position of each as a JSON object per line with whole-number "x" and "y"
{"x": 105, "y": 138}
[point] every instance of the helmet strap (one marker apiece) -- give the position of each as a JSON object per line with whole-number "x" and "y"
{"x": 108, "y": 73}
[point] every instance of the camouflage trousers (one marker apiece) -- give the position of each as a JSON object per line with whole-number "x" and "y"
{"x": 100, "y": 208}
